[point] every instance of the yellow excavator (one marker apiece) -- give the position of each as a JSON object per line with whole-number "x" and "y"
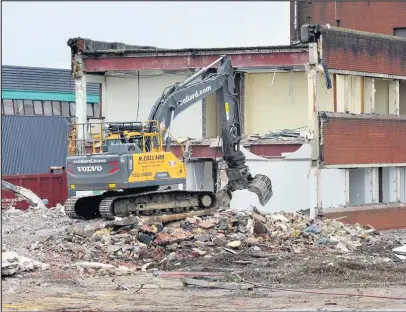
{"x": 134, "y": 161}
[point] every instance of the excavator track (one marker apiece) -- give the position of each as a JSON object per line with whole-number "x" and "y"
{"x": 86, "y": 207}
{"x": 157, "y": 203}
{"x": 70, "y": 207}
{"x": 150, "y": 203}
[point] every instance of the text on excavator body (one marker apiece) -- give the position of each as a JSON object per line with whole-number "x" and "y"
{"x": 189, "y": 98}
{"x": 151, "y": 157}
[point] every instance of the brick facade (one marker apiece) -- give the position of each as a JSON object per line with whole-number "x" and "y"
{"x": 362, "y": 139}
{"x": 370, "y": 16}
{"x": 380, "y": 216}
{"x": 364, "y": 52}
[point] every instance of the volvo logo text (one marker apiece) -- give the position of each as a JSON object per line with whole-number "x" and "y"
{"x": 90, "y": 168}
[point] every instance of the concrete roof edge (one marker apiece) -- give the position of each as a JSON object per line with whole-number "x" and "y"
{"x": 339, "y": 115}
{"x": 363, "y": 33}
{"x": 73, "y": 41}
{"x": 196, "y": 51}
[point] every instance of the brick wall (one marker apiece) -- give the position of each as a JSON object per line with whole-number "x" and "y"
{"x": 380, "y": 216}
{"x": 370, "y": 16}
{"x": 364, "y": 52}
{"x": 362, "y": 139}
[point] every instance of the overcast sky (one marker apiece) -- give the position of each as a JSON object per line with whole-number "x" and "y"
{"x": 35, "y": 33}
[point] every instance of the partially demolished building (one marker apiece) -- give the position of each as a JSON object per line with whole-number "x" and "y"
{"x": 341, "y": 92}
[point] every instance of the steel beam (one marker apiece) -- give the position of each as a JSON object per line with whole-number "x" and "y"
{"x": 157, "y": 62}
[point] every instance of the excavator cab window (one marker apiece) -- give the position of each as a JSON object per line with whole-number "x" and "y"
{"x": 136, "y": 141}
{"x": 108, "y": 143}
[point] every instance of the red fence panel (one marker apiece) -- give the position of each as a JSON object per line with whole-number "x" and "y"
{"x": 50, "y": 186}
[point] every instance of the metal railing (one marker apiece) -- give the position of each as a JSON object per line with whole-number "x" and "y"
{"x": 95, "y": 137}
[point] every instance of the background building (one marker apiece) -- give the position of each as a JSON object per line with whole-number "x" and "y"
{"x": 33, "y": 91}
{"x": 36, "y": 106}
{"x": 386, "y": 17}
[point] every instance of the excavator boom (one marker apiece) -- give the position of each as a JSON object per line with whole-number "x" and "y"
{"x": 185, "y": 94}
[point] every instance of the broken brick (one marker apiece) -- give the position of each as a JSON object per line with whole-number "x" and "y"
{"x": 176, "y": 236}
{"x": 206, "y": 224}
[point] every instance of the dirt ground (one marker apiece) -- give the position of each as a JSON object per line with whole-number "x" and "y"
{"x": 64, "y": 290}
{"x": 168, "y": 294}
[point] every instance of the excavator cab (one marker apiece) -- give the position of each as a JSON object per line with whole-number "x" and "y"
{"x": 115, "y": 134}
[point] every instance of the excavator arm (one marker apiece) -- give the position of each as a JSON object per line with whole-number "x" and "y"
{"x": 181, "y": 96}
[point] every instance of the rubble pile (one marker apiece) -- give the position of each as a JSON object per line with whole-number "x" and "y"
{"x": 33, "y": 219}
{"x": 125, "y": 245}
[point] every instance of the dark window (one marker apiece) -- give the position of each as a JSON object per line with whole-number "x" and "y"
{"x": 28, "y": 107}
{"x": 90, "y": 112}
{"x": 400, "y": 32}
{"x": 96, "y": 108}
{"x": 7, "y": 107}
{"x": 38, "y": 108}
{"x": 47, "y": 108}
{"x": 72, "y": 109}
{"x": 56, "y": 108}
{"x": 18, "y": 107}
{"x": 65, "y": 109}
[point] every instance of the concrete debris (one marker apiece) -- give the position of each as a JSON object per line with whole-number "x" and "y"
{"x": 202, "y": 238}
{"x": 258, "y": 217}
{"x": 145, "y": 266}
{"x": 219, "y": 242}
{"x": 12, "y": 263}
{"x": 127, "y": 245}
{"x": 24, "y": 193}
{"x": 234, "y": 244}
{"x": 400, "y": 252}
{"x": 230, "y": 250}
{"x": 247, "y": 140}
{"x": 286, "y": 133}
{"x": 91, "y": 265}
{"x": 342, "y": 247}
